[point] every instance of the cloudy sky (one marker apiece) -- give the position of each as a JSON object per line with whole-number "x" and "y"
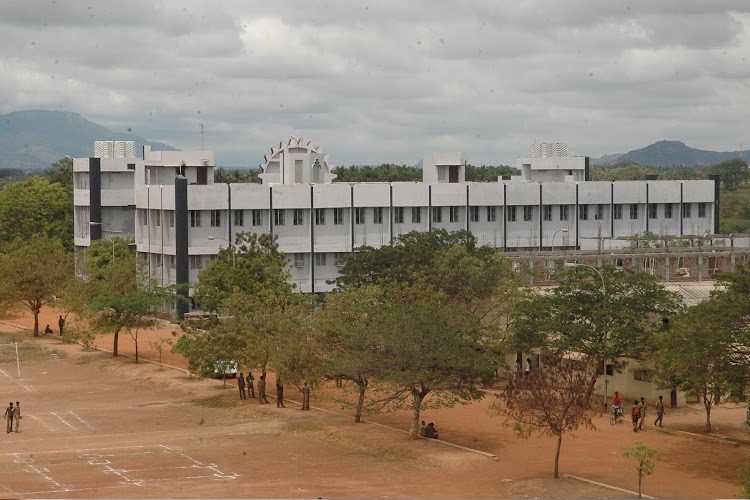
{"x": 387, "y": 80}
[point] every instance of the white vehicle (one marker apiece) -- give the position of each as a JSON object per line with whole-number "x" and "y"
{"x": 225, "y": 369}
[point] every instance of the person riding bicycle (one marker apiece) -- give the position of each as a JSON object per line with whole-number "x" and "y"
{"x": 617, "y": 405}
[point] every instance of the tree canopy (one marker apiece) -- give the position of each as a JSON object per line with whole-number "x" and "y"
{"x": 33, "y": 272}
{"x": 606, "y": 314}
{"x": 36, "y": 207}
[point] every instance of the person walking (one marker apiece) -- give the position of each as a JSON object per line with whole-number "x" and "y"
{"x": 251, "y": 385}
{"x": 643, "y": 415}
{"x": 9, "y": 417}
{"x": 262, "y": 390}
{"x": 61, "y": 324}
{"x": 17, "y": 414}
{"x": 635, "y": 415}
{"x": 279, "y": 394}
{"x": 241, "y": 385}
{"x": 659, "y": 411}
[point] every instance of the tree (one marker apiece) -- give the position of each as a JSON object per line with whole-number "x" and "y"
{"x": 733, "y": 173}
{"x": 227, "y": 176}
{"x": 61, "y": 172}
{"x": 700, "y": 355}
{"x": 118, "y": 296}
{"x": 488, "y": 173}
{"x": 251, "y": 264}
{"x": 429, "y": 347}
{"x": 605, "y": 315}
{"x": 36, "y": 206}
{"x": 552, "y": 401}
{"x": 645, "y": 456}
{"x": 743, "y": 478}
{"x": 32, "y": 272}
{"x": 349, "y": 336}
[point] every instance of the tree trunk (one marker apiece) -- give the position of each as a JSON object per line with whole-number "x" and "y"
{"x": 35, "y": 310}
{"x": 416, "y": 406}
{"x": 557, "y": 456}
{"x": 360, "y": 402}
{"x": 707, "y": 403}
{"x": 114, "y": 345}
{"x": 640, "y": 481}
{"x": 136, "y": 346}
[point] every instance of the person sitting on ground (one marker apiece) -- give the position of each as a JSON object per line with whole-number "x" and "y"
{"x": 423, "y": 429}
{"x": 431, "y": 432}
{"x": 48, "y": 330}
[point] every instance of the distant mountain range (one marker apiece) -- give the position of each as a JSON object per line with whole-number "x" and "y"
{"x": 669, "y": 154}
{"x": 35, "y": 139}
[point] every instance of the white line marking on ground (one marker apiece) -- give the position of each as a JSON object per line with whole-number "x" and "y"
{"x": 91, "y": 427}
{"x": 42, "y": 471}
{"x": 64, "y": 421}
{"x": 15, "y": 379}
{"x": 41, "y": 422}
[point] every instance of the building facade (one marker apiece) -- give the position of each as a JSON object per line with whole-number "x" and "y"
{"x": 168, "y": 203}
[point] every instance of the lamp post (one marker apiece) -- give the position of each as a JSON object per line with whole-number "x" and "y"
{"x": 604, "y": 292}
{"x": 230, "y": 246}
{"x": 552, "y": 246}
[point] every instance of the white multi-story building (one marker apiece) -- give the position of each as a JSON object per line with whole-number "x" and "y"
{"x": 182, "y": 218}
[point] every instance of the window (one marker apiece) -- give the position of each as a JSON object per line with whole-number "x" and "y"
{"x": 172, "y": 261}
{"x": 339, "y": 259}
{"x": 416, "y": 215}
{"x": 642, "y": 375}
{"x": 528, "y": 212}
{"x": 195, "y": 218}
{"x": 299, "y": 260}
{"x": 320, "y": 259}
{"x": 652, "y": 211}
{"x": 171, "y": 218}
{"x": 157, "y": 218}
{"x": 359, "y": 215}
{"x": 398, "y": 215}
{"x": 618, "y": 212}
{"x": 686, "y": 210}
{"x": 633, "y": 211}
{"x": 215, "y": 218}
{"x": 583, "y": 212}
{"x": 377, "y": 215}
{"x": 320, "y": 216}
{"x": 278, "y": 216}
{"x": 338, "y": 216}
{"x": 701, "y": 210}
{"x": 299, "y": 217}
{"x": 453, "y": 214}
{"x": 196, "y": 262}
{"x": 599, "y": 215}
{"x": 563, "y": 212}
{"x": 239, "y": 218}
{"x": 547, "y": 212}
{"x": 437, "y": 214}
{"x": 257, "y": 217}
{"x": 668, "y": 211}
{"x": 511, "y": 214}
{"x": 474, "y": 214}
{"x": 491, "y": 214}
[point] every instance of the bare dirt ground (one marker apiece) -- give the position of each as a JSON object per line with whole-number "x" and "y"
{"x": 98, "y": 426}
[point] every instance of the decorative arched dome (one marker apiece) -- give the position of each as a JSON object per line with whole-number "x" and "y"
{"x": 296, "y": 163}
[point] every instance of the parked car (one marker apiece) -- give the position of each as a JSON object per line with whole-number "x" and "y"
{"x": 223, "y": 369}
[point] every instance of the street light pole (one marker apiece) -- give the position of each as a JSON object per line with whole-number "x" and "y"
{"x": 230, "y": 246}
{"x": 552, "y": 245}
{"x": 604, "y": 292}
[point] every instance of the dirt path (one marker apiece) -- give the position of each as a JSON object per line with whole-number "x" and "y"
{"x": 287, "y": 453}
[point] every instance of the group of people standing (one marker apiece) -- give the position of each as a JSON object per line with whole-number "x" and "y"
{"x": 12, "y": 417}
{"x": 249, "y": 383}
{"x": 638, "y": 411}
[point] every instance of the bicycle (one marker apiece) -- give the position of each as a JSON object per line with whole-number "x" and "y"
{"x": 616, "y": 415}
